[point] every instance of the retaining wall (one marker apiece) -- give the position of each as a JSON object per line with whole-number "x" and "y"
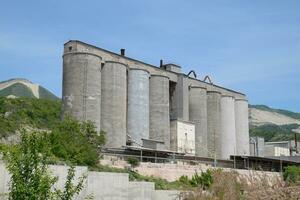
{"x": 99, "y": 185}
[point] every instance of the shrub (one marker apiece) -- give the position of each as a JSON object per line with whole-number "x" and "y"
{"x": 37, "y": 113}
{"x": 133, "y": 161}
{"x": 184, "y": 180}
{"x": 30, "y": 178}
{"x": 77, "y": 142}
{"x": 292, "y": 175}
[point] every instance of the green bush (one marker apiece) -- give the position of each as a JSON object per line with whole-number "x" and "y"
{"x": 291, "y": 175}
{"x": 184, "y": 180}
{"x": 36, "y": 113}
{"x": 76, "y": 142}
{"x": 71, "y": 141}
{"x": 30, "y": 177}
{"x": 133, "y": 161}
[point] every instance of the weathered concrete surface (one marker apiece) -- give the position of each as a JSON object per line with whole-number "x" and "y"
{"x": 165, "y": 195}
{"x": 242, "y": 127}
{"x": 213, "y": 124}
{"x": 4, "y": 179}
{"x": 59, "y": 171}
{"x": 159, "y": 109}
{"x": 104, "y": 186}
{"x": 198, "y": 115}
{"x": 140, "y": 190}
{"x": 82, "y": 86}
{"x": 172, "y": 172}
{"x": 183, "y": 137}
{"x": 228, "y": 136}
{"x": 138, "y": 106}
{"x": 113, "y": 103}
{"x": 180, "y": 100}
{"x": 99, "y": 185}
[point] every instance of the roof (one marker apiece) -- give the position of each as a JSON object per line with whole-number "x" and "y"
{"x": 134, "y": 60}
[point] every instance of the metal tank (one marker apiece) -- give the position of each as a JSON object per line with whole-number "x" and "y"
{"x": 159, "y": 109}
{"x": 228, "y": 140}
{"x": 138, "y": 106}
{"x": 82, "y": 86}
{"x": 242, "y": 127}
{"x": 113, "y": 103}
{"x": 214, "y": 124}
{"x": 198, "y": 115}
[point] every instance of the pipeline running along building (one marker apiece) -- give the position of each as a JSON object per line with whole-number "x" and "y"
{"x": 160, "y": 108}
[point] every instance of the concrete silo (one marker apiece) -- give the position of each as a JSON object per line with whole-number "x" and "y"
{"x": 228, "y": 140}
{"x": 180, "y": 99}
{"x": 159, "y": 109}
{"x": 242, "y": 127}
{"x": 113, "y": 103}
{"x": 82, "y": 86}
{"x": 214, "y": 124}
{"x": 198, "y": 115}
{"x": 138, "y": 106}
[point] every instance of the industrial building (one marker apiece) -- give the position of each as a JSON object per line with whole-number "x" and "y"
{"x": 260, "y": 148}
{"x": 156, "y": 107}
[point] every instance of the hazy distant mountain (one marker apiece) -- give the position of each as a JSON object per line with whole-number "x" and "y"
{"x": 261, "y": 114}
{"x": 273, "y": 124}
{"x": 14, "y": 88}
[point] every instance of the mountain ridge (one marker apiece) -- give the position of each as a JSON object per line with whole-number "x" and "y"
{"x": 20, "y": 87}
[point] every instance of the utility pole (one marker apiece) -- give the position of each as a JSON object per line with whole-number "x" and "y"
{"x": 215, "y": 157}
{"x": 234, "y": 164}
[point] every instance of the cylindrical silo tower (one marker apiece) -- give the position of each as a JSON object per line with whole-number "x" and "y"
{"x": 159, "y": 109}
{"x": 198, "y": 115}
{"x": 214, "y": 124}
{"x": 242, "y": 127}
{"x": 228, "y": 146}
{"x": 113, "y": 103}
{"x": 82, "y": 87}
{"x": 138, "y": 106}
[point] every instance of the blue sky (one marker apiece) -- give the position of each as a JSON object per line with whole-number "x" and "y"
{"x": 249, "y": 46}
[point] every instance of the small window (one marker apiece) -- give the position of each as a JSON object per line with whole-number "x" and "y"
{"x": 70, "y": 48}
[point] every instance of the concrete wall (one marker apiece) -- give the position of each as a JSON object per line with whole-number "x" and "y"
{"x": 108, "y": 185}
{"x": 140, "y": 190}
{"x": 198, "y": 115}
{"x": 138, "y": 105}
{"x": 180, "y": 104}
{"x": 99, "y": 185}
{"x": 183, "y": 137}
{"x": 271, "y": 150}
{"x": 59, "y": 171}
{"x": 242, "y": 127}
{"x": 165, "y": 194}
{"x": 114, "y": 103}
{"x": 257, "y": 146}
{"x": 228, "y": 136}
{"x": 82, "y": 86}
{"x": 213, "y": 124}
{"x": 173, "y": 172}
{"x": 159, "y": 109}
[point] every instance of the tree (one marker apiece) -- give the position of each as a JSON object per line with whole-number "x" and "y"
{"x": 77, "y": 142}
{"x": 30, "y": 177}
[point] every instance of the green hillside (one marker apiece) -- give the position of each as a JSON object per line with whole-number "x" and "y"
{"x": 18, "y": 90}
{"x": 273, "y": 133}
{"x": 280, "y": 111}
{"x": 40, "y": 113}
{"x": 45, "y": 94}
